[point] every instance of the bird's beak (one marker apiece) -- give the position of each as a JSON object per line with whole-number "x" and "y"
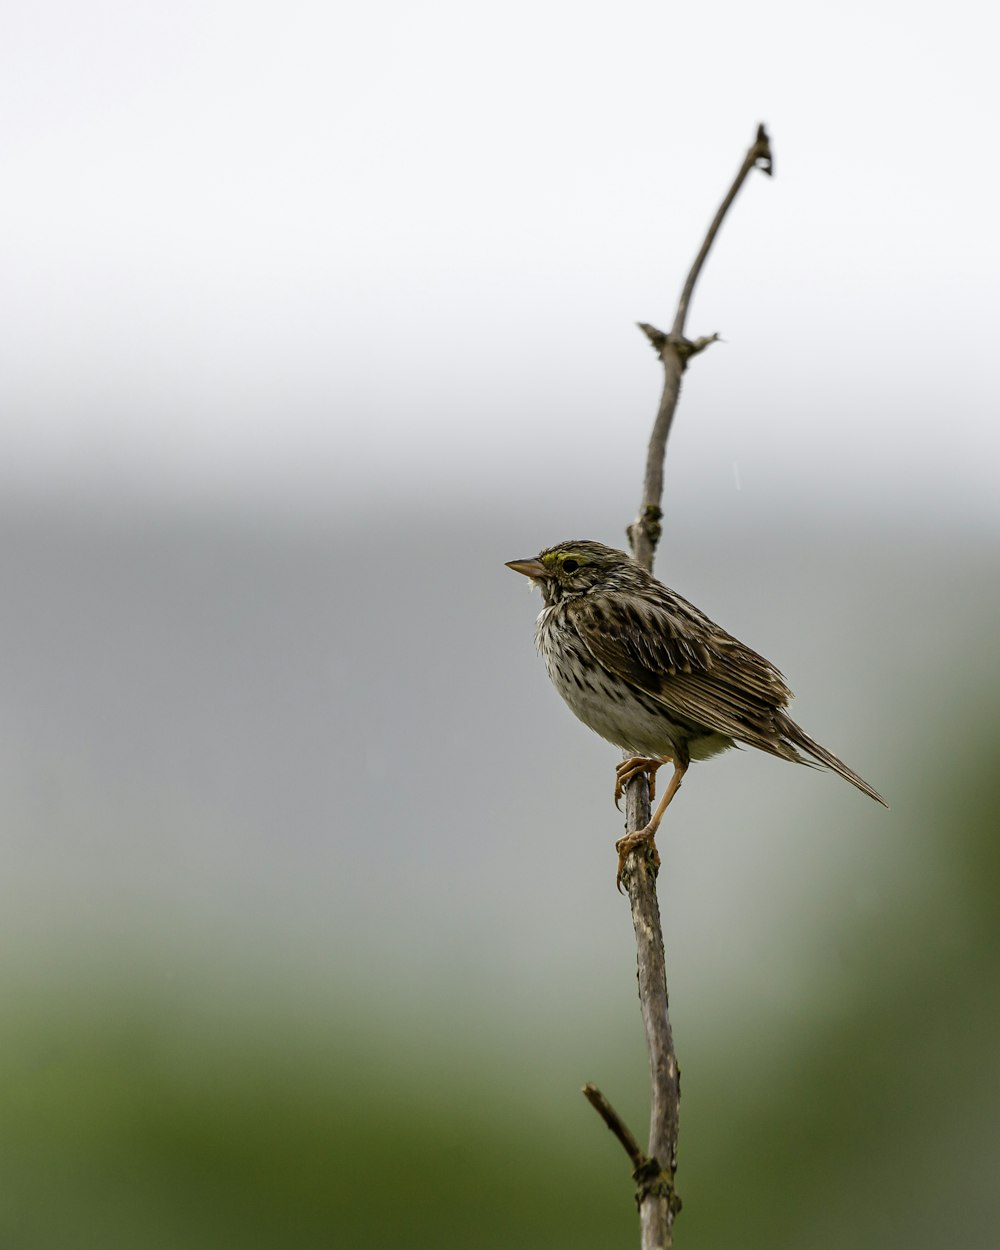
{"x": 530, "y": 568}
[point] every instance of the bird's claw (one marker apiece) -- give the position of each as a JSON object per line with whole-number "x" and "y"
{"x": 631, "y": 841}
{"x": 632, "y": 767}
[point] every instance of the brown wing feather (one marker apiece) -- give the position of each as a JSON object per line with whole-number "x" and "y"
{"x": 667, "y": 648}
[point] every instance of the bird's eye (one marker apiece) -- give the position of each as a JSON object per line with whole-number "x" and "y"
{"x": 570, "y": 566}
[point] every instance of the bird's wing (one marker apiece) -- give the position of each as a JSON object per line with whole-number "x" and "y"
{"x": 665, "y": 647}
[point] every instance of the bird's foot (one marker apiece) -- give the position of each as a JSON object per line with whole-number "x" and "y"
{"x": 641, "y": 837}
{"x": 632, "y": 767}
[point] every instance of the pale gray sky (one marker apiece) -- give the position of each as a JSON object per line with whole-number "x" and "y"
{"x": 256, "y": 248}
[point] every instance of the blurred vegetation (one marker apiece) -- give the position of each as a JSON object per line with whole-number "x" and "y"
{"x": 125, "y": 1125}
{"x": 231, "y": 1111}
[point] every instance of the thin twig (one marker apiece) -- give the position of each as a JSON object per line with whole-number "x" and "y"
{"x": 655, "y": 1194}
{"x": 758, "y": 156}
{"x": 675, "y": 351}
{"x": 615, "y": 1123}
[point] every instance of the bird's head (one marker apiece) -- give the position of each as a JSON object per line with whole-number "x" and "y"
{"x": 578, "y": 567}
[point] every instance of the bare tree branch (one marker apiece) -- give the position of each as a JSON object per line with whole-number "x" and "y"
{"x": 675, "y": 351}
{"x": 655, "y": 1194}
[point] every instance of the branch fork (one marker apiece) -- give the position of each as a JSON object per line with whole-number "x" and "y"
{"x": 650, "y": 1178}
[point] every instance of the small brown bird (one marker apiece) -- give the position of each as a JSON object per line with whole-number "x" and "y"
{"x": 647, "y": 671}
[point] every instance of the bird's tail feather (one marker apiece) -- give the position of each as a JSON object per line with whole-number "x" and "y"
{"x": 799, "y": 738}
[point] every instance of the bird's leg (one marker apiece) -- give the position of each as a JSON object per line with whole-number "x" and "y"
{"x": 632, "y": 767}
{"x": 644, "y": 837}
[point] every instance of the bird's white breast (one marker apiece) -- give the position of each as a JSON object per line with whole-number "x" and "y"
{"x": 618, "y": 712}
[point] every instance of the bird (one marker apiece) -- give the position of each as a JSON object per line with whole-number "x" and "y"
{"x": 649, "y": 672}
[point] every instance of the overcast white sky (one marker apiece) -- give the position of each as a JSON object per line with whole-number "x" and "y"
{"x": 262, "y": 247}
